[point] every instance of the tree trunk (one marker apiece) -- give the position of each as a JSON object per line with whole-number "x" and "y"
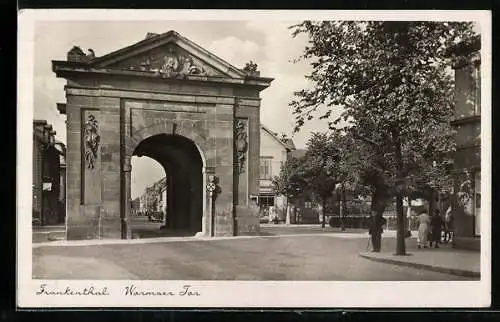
{"x": 287, "y": 220}
{"x": 343, "y": 208}
{"x": 378, "y": 207}
{"x": 323, "y": 221}
{"x": 400, "y": 234}
{"x": 341, "y": 215}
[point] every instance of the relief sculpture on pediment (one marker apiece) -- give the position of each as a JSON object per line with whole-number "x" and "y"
{"x": 168, "y": 63}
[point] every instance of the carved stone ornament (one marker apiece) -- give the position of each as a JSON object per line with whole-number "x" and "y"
{"x": 76, "y": 54}
{"x": 251, "y": 69}
{"x": 171, "y": 64}
{"x": 241, "y": 144}
{"x": 92, "y": 140}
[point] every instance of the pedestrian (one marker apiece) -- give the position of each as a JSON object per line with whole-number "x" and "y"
{"x": 377, "y": 222}
{"x": 298, "y": 215}
{"x": 436, "y": 228}
{"x": 448, "y": 222}
{"x": 423, "y": 230}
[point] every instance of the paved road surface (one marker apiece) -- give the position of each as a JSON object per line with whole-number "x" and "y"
{"x": 319, "y": 257}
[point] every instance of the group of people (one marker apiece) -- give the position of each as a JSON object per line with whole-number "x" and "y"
{"x": 430, "y": 229}
{"x": 274, "y": 217}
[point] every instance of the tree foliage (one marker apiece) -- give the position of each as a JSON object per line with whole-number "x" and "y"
{"x": 393, "y": 83}
{"x": 322, "y": 165}
{"x": 290, "y": 183}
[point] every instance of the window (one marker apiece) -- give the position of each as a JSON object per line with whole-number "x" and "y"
{"x": 266, "y": 201}
{"x": 308, "y": 205}
{"x": 265, "y": 168}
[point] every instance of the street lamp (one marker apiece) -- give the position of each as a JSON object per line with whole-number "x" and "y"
{"x": 339, "y": 190}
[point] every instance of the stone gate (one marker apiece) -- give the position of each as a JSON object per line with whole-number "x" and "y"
{"x": 169, "y": 99}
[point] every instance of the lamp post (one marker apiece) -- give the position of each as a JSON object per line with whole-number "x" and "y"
{"x": 339, "y": 188}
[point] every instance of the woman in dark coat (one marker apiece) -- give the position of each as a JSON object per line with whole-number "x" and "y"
{"x": 436, "y": 228}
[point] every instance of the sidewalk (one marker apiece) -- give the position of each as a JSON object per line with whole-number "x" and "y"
{"x": 444, "y": 260}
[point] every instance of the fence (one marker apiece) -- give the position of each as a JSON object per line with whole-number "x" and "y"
{"x": 351, "y": 222}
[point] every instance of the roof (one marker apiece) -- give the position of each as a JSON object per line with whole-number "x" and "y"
{"x": 111, "y": 63}
{"x": 288, "y": 144}
{"x": 159, "y": 40}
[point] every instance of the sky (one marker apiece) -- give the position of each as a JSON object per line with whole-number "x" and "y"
{"x": 268, "y": 43}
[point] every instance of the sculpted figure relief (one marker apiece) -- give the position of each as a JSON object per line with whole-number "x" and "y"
{"x": 241, "y": 144}
{"x": 92, "y": 140}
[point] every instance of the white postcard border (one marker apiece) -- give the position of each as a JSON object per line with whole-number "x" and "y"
{"x": 243, "y": 293}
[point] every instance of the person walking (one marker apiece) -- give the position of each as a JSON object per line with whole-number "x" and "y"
{"x": 376, "y": 231}
{"x": 436, "y": 228}
{"x": 448, "y": 221}
{"x": 423, "y": 230}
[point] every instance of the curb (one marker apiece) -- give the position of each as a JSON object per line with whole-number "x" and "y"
{"x": 446, "y": 270}
{"x": 157, "y": 240}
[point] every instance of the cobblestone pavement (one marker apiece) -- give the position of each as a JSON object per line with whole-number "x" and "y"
{"x": 297, "y": 257}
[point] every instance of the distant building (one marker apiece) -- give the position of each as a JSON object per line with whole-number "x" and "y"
{"x": 273, "y": 154}
{"x": 154, "y": 198}
{"x": 49, "y": 176}
{"x": 135, "y": 206}
{"x": 161, "y": 190}
{"x": 467, "y": 158}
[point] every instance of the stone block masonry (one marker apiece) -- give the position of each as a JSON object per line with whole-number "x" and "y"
{"x": 184, "y": 117}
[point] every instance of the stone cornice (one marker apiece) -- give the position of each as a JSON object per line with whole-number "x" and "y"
{"x": 66, "y": 69}
{"x": 469, "y": 146}
{"x": 128, "y": 93}
{"x": 466, "y": 120}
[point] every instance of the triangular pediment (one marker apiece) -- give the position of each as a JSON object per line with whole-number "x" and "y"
{"x": 168, "y": 54}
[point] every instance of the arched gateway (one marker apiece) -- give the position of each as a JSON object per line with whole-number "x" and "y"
{"x": 169, "y": 99}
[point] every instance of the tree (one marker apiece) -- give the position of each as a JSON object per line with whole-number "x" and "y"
{"x": 321, "y": 167}
{"x": 290, "y": 183}
{"x": 393, "y": 83}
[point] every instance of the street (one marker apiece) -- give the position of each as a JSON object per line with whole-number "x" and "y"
{"x": 326, "y": 256}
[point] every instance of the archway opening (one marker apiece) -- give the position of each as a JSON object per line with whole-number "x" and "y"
{"x": 178, "y": 196}
{"x": 148, "y": 206}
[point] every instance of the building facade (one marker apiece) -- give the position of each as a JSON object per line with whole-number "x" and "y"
{"x": 273, "y": 154}
{"x": 466, "y": 203}
{"x": 153, "y": 201}
{"x": 49, "y": 176}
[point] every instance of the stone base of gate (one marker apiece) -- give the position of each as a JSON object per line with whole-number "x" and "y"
{"x": 93, "y": 222}
{"x": 247, "y": 221}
